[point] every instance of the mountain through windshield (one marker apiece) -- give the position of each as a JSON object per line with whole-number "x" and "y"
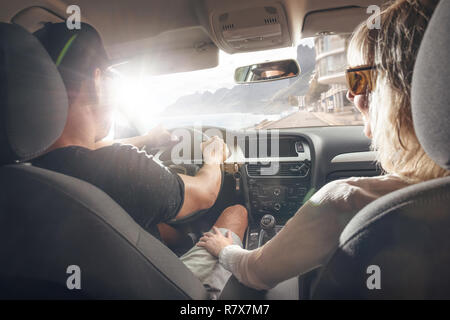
{"x": 211, "y": 98}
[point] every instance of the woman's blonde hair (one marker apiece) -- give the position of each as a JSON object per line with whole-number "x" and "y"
{"x": 393, "y": 49}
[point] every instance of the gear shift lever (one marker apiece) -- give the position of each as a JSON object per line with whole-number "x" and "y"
{"x": 267, "y": 224}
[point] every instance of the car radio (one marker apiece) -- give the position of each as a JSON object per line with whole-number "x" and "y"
{"x": 281, "y": 198}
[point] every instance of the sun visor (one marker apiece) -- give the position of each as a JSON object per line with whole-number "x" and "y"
{"x": 34, "y": 18}
{"x": 181, "y": 50}
{"x": 333, "y": 21}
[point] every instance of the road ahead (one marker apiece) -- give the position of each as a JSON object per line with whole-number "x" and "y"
{"x": 296, "y": 120}
{"x": 314, "y": 119}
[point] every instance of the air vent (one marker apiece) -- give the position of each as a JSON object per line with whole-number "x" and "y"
{"x": 271, "y": 20}
{"x": 253, "y": 170}
{"x": 298, "y": 169}
{"x": 227, "y": 27}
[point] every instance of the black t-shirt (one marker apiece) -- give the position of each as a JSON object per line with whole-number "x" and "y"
{"x": 148, "y": 191}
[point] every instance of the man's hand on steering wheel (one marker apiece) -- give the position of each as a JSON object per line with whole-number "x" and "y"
{"x": 159, "y": 136}
{"x": 155, "y": 138}
{"x": 214, "y": 150}
{"x": 202, "y": 190}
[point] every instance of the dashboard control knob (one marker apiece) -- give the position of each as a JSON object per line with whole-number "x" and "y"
{"x": 276, "y": 191}
{"x": 277, "y": 206}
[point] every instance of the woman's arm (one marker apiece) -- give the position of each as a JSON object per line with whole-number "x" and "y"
{"x": 304, "y": 243}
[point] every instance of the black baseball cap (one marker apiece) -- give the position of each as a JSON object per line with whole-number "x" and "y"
{"x": 76, "y": 53}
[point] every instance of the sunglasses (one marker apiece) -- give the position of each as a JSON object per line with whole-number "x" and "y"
{"x": 360, "y": 79}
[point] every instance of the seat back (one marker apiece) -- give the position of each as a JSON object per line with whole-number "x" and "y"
{"x": 399, "y": 245}
{"x": 63, "y": 238}
{"x": 400, "y": 242}
{"x": 50, "y": 222}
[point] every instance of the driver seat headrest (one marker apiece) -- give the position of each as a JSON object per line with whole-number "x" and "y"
{"x": 33, "y": 98}
{"x": 430, "y": 93}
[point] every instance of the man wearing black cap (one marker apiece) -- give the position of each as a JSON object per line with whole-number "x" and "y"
{"x": 148, "y": 191}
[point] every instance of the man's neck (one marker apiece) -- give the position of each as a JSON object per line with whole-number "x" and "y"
{"x": 79, "y": 129}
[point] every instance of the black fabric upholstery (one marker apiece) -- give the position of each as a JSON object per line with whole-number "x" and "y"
{"x": 49, "y": 221}
{"x": 33, "y": 99}
{"x": 406, "y": 234}
{"x": 430, "y": 88}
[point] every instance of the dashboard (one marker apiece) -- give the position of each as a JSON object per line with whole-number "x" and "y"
{"x": 278, "y": 181}
{"x": 278, "y": 185}
{"x": 276, "y": 171}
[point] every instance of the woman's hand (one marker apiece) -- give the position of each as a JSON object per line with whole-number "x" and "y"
{"x": 215, "y": 241}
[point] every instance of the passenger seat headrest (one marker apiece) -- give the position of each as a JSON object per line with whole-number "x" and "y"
{"x": 33, "y": 98}
{"x": 430, "y": 92}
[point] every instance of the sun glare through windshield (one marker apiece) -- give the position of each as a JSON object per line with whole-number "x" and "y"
{"x": 211, "y": 98}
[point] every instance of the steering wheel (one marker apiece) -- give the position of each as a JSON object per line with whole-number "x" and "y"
{"x": 162, "y": 150}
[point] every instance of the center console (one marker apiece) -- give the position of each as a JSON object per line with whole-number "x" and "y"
{"x": 279, "y": 195}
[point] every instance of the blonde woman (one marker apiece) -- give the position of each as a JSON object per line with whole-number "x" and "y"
{"x": 379, "y": 86}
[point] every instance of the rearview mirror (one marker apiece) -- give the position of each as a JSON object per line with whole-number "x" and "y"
{"x": 267, "y": 71}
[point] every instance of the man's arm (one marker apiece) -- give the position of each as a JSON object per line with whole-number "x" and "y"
{"x": 202, "y": 190}
{"x": 156, "y": 137}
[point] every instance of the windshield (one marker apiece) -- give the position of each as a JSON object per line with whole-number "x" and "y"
{"x": 211, "y": 98}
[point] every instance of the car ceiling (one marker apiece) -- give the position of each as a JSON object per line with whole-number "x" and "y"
{"x": 131, "y": 29}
